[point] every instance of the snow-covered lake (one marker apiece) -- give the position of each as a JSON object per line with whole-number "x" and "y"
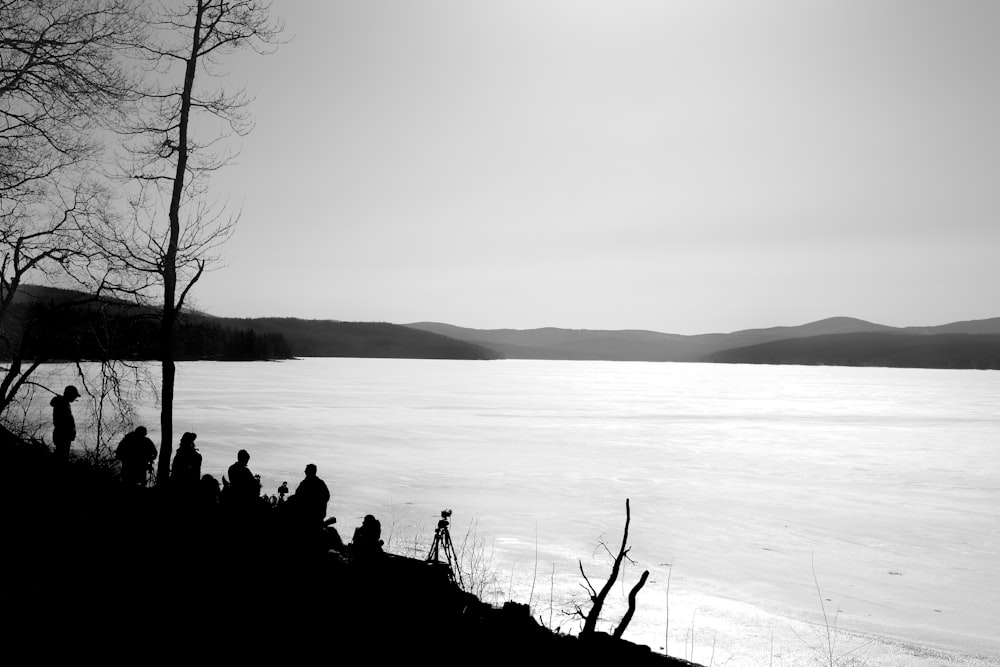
{"x": 757, "y": 492}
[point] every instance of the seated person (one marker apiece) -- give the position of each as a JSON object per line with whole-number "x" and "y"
{"x": 367, "y": 538}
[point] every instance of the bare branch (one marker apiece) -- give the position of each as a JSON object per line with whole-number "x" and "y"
{"x": 627, "y": 618}
{"x": 598, "y": 598}
{"x": 177, "y": 228}
{"x": 592, "y": 591}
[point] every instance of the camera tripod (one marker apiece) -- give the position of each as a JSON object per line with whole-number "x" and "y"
{"x": 442, "y": 541}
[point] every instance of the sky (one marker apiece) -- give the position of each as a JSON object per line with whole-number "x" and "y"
{"x": 679, "y": 166}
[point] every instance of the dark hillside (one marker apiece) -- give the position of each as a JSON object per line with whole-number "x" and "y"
{"x": 579, "y": 344}
{"x": 52, "y": 324}
{"x": 988, "y": 326}
{"x": 101, "y": 571}
{"x": 977, "y": 351}
{"x": 60, "y": 324}
{"x": 330, "y": 338}
{"x": 875, "y": 344}
{"x": 635, "y": 345}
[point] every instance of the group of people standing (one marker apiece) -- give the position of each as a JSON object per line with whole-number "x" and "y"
{"x": 136, "y": 451}
{"x": 137, "y": 454}
{"x": 241, "y": 492}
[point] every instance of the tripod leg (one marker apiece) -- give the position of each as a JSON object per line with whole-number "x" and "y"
{"x": 449, "y": 549}
{"x": 433, "y": 554}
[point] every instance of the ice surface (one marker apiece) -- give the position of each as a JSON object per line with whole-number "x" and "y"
{"x": 765, "y": 487}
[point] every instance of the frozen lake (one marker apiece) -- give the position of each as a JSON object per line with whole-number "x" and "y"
{"x": 758, "y": 491}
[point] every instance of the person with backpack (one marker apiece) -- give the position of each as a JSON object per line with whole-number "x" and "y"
{"x": 137, "y": 454}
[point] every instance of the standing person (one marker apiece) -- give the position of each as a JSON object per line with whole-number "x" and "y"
{"x": 137, "y": 453}
{"x": 311, "y": 497}
{"x": 186, "y": 470}
{"x": 63, "y": 424}
{"x": 243, "y": 489}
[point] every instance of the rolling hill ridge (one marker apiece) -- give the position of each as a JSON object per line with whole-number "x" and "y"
{"x": 832, "y": 341}
{"x": 60, "y": 324}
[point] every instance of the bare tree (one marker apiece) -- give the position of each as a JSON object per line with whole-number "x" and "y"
{"x": 176, "y": 230}
{"x": 60, "y": 79}
{"x": 598, "y": 598}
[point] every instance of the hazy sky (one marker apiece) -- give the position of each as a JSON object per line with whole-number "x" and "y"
{"x": 684, "y": 167}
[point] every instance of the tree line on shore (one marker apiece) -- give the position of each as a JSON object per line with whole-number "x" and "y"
{"x": 85, "y": 329}
{"x": 114, "y": 116}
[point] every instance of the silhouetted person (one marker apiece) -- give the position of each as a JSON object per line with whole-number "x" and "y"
{"x": 186, "y": 470}
{"x": 243, "y": 489}
{"x": 63, "y": 424}
{"x": 137, "y": 453}
{"x": 311, "y": 497}
{"x": 208, "y": 490}
{"x": 367, "y": 540}
{"x": 333, "y": 540}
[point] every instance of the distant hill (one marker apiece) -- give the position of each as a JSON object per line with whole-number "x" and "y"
{"x": 633, "y": 345}
{"x": 945, "y": 350}
{"x": 65, "y": 324}
{"x": 988, "y": 326}
{"x": 331, "y": 338}
{"x": 552, "y": 343}
{"x": 92, "y": 330}
{"x": 52, "y": 324}
{"x": 913, "y": 343}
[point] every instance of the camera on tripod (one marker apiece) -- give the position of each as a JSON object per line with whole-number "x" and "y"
{"x": 442, "y": 542}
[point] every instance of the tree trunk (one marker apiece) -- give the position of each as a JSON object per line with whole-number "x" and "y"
{"x": 590, "y": 623}
{"x": 627, "y": 618}
{"x": 166, "y": 396}
{"x": 170, "y": 256}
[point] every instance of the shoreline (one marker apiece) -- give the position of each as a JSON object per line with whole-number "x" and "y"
{"x": 697, "y": 487}
{"x": 94, "y": 556}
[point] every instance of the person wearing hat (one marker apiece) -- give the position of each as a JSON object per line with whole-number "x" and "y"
{"x": 186, "y": 470}
{"x": 63, "y": 425}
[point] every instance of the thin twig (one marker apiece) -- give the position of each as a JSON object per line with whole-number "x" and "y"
{"x": 552, "y": 585}
{"x": 666, "y": 631}
{"x": 531, "y": 594}
{"x": 826, "y": 621}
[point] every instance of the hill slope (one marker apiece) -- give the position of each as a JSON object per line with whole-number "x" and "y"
{"x": 905, "y": 346}
{"x": 331, "y": 338}
{"x": 634, "y": 345}
{"x": 65, "y": 324}
{"x": 50, "y": 324}
{"x": 947, "y": 350}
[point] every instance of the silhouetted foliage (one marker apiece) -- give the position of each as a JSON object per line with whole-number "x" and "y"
{"x": 61, "y": 84}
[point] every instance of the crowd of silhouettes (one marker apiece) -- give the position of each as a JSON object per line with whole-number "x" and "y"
{"x": 239, "y": 496}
